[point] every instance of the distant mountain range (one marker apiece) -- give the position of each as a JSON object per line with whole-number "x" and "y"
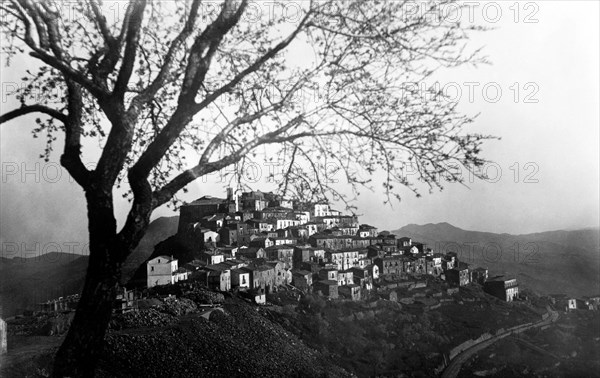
{"x": 547, "y": 262}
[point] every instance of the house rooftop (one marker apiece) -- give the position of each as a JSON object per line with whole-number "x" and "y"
{"x": 263, "y": 268}
{"x": 276, "y": 208}
{"x": 218, "y": 267}
{"x": 167, "y": 258}
{"x": 279, "y": 246}
{"x": 301, "y": 272}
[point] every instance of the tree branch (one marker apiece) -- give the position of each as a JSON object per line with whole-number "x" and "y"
{"x": 165, "y": 193}
{"x": 131, "y": 44}
{"x": 198, "y": 64}
{"x": 165, "y": 69}
{"x": 33, "y": 109}
{"x": 71, "y": 157}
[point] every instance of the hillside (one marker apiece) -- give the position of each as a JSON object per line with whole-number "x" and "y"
{"x": 177, "y": 339}
{"x": 28, "y": 281}
{"x": 25, "y": 282}
{"x": 548, "y": 262}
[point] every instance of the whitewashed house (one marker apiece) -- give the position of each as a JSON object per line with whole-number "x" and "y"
{"x": 164, "y": 270}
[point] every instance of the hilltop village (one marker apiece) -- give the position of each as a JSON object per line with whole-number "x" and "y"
{"x": 256, "y": 243}
{"x": 285, "y": 287}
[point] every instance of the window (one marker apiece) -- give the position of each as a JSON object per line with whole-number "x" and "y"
{"x": 152, "y": 269}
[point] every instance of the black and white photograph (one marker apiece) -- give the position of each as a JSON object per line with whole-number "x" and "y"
{"x": 299, "y": 188}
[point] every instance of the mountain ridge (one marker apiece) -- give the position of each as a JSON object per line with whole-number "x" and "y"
{"x": 547, "y": 262}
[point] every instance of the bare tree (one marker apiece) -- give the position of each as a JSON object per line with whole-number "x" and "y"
{"x": 313, "y": 83}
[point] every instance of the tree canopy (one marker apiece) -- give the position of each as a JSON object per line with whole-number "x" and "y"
{"x": 322, "y": 83}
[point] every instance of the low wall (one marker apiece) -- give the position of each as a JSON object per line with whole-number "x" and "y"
{"x": 468, "y": 344}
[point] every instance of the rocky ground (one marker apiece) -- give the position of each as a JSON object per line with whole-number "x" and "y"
{"x": 235, "y": 342}
{"x": 171, "y": 337}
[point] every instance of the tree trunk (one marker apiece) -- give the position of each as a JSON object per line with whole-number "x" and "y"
{"x": 79, "y": 353}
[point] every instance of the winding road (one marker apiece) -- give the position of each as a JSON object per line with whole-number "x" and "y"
{"x": 453, "y": 368}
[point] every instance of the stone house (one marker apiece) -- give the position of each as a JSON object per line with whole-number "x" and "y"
{"x": 207, "y": 236}
{"x": 240, "y": 279}
{"x": 253, "y": 201}
{"x": 350, "y": 291}
{"x": 302, "y": 279}
{"x": 364, "y": 262}
{"x": 344, "y": 259}
{"x": 283, "y": 223}
{"x": 218, "y": 276}
{"x": 212, "y": 257}
{"x": 593, "y": 302}
{"x": 328, "y": 274}
{"x": 330, "y": 241}
{"x": 163, "y": 270}
{"x": 418, "y": 263}
{"x": 215, "y": 278}
{"x": 479, "y": 275}
{"x": 404, "y": 242}
{"x": 289, "y": 240}
{"x": 434, "y": 264}
{"x": 261, "y": 224}
{"x": 275, "y": 212}
{"x": 374, "y": 272}
{"x": 213, "y": 222}
{"x": 447, "y": 264}
{"x": 250, "y": 253}
{"x": 345, "y": 277}
{"x": 320, "y": 209}
{"x": 246, "y": 233}
{"x": 261, "y": 242}
{"x": 505, "y": 289}
{"x": 196, "y": 210}
{"x": 328, "y": 288}
{"x": 310, "y": 266}
{"x": 391, "y": 265}
{"x": 280, "y": 274}
{"x": 362, "y": 277}
{"x": 298, "y": 232}
{"x": 312, "y": 228}
{"x": 283, "y": 253}
{"x": 262, "y": 276}
{"x": 374, "y": 251}
{"x": 365, "y": 230}
{"x": 458, "y": 276}
{"x": 228, "y": 235}
{"x": 302, "y": 253}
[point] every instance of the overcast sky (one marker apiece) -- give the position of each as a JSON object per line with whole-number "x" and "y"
{"x": 545, "y": 170}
